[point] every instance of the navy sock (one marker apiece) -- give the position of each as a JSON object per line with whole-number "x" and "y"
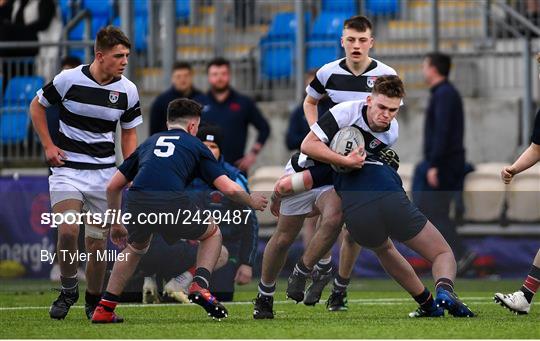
{"x": 301, "y": 269}
{"x": 324, "y": 265}
{"x": 70, "y": 285}
{"x": 340, "y": 283}
{"x": 202, "y": 277}
{"x": 425, "y": 300}
{"x": 91, "y": 298}
{"x": 267, "y": 290}
{"x": 444, "y": 283}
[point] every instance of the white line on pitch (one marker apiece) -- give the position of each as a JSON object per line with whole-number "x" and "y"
{"x": 364, "y": 301}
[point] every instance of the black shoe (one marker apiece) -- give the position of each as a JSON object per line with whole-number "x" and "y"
{"x": 315, "y": 289}
{"x": 337, "y": 301}
{"x": 89, "y": 310}
{"x": 205, "y": 299}
{"x": 296, "y": 284}
{"x": 264, "y": 307}
{"x": 60, "y": 308}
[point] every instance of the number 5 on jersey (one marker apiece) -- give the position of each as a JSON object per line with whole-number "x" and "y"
{"x": 162, "y": 142}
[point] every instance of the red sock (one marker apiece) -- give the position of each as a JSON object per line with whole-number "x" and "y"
{"x": 192, "y": 270}
{"x": 108, "y": 305}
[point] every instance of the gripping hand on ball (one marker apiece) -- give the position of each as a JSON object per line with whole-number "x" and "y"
{"x": 356, "y": 158}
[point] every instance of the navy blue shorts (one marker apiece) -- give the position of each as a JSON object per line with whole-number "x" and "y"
{"x": 390, "y": 216}
{"x": 148, "y": 206}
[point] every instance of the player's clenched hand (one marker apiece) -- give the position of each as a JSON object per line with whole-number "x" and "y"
{"x": 258, "y": 201}
{"x": 55, "y": 156}
{"x": 507, "y": 174}
{"x": 356, "y": 158}
{"x": 275, "y": 204}
{"x": 245, "y": 163}
{"x": 243, "y": 274}
{"x": 119, "y": 235}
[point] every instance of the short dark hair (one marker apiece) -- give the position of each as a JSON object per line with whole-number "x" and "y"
{"x": 110, "y": 36}
{"x": 218, "y": 61}
{"x": 389, "y": 86}
{"x": 183, "y": 108}
{"x": 441, "y": 62}
{"x": 182, "y": 66}
{"x": 359, "y": 23}
{"x": 71, "y": 61}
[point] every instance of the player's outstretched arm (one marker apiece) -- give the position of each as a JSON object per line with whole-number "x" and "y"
{"x": 318, "y": 150}
{"x": 529, "y": 158}
{"x": 236, "y": 193}
{"x": 53, "y": 154}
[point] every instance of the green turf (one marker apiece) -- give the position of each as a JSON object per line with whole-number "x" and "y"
{"x": 377, "y": 309}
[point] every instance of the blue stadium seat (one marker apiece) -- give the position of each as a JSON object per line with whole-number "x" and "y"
{"x": 182, "y": 9}
{"x": 382, "y": 7}
{"x": 277, "y": 58}
{"x": 66, "y": 10}
{"x": 349, "y": 7}
{"x": 328, "y": 24}
{"x": 277, "y": 47}
{"x": 284, "y": 24}
{"x": 323, "y": 43}
{"x": 140, "y": 31}
{"x": 321, "y": 52}
{"x": 98, "y": 7}
{"x": 21, "y": 90}
{"x": 15, "y": 120}
{"x": 13, "y": 125}
{"x": 141, "y": 7}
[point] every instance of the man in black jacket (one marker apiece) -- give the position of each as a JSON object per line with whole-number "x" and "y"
{"x": 440, "y": 175}
{"x": 181, "y": 87}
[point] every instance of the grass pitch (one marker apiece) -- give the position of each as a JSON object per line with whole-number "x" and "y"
{"x": 377, "y": 309}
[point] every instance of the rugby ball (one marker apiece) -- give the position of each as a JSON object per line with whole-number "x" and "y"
{"x": 346, "y": 140}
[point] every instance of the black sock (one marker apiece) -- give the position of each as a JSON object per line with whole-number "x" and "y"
{"x": 267, "y": 290}
{"x": 109, "y": 301}
{"x": 444, "y": 283}
{"x": 340, "y": 283}
{"x": 324, "y": 265}
{"x": 425, "y": 300}
{"x": 202, "y": 277}
{"x": 301, "y": 269}
{"x": 91, "y": 299}
{"x": 531, "y": 284}
{"x": 70, "y": 285}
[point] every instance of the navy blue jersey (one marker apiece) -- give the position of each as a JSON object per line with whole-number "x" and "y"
{"x": 535, "y": 138}
{"x": 168, "y": 161}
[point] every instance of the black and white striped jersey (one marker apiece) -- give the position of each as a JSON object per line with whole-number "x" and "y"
{"x": 341, "y": 85}
{"x": 89, "y": 113}
{"x": 354, "y": 113}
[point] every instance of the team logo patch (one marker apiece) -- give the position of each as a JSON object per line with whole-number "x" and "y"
{"x": 374, "y": 143}
{"x": 371, "y": 81}
{"x": 114, "y": 96}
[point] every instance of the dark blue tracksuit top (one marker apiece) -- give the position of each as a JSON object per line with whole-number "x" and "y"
{"x": 234, "y": 115}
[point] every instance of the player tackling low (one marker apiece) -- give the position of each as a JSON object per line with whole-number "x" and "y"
{"x": 375, "y": 206}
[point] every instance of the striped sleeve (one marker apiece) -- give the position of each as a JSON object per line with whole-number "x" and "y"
{"x": 132, "y": 117}
{"x": 316, "y": 88}
{"x": 54, "y": 91}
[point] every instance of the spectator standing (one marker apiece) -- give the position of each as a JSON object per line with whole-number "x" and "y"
{"x": 181, "y": 87}
{"x": 441, "y": 173}
{"x": 233, "y": 112}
